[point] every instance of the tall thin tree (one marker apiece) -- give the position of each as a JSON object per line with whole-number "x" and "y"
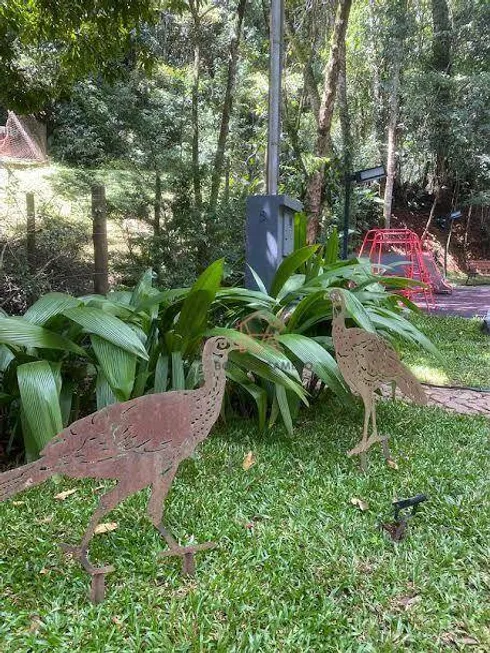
{"x": 314, "y": 197}
{"x": 219, "y": 157}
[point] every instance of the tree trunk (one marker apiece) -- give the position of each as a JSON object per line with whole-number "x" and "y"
{"x": 314, "y": 197}
{"x": 391, "y": 150}
{"x": 375, "y": 59}
{"x": 227, "y": 107}
{"x": 346, "y": 136}
{"x": 99, "y": 235}
{"x": 466, "y": 232}
{"x": 31, "y": 231}
{"x": 431, "y": 214}
{"x": 158, "y": 204}
{"x": 441, "y": 63}
{"x": 304, "y": 56}
{"x": 196, "y": 72}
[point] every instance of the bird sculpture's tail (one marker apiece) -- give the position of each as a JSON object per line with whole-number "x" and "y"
{"x": 22, "y": 478}
{"x": 410, "y": 386}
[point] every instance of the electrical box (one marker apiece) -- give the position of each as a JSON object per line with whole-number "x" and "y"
{"x": 269, "y": 235}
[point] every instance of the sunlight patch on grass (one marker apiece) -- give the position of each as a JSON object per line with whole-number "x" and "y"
{"x": 429, "y": 374}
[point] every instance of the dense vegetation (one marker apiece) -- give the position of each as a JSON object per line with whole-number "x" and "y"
{"x": 175, "y": 102}
{"x": 67, "y": 356}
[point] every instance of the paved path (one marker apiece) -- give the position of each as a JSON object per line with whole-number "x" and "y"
{"x": 465, "y": 301}
{"x": 457, "y": 400}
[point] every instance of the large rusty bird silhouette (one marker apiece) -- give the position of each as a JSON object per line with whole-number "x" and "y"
{"x": 139, "y": 443}
{"x": 367, "y": 362}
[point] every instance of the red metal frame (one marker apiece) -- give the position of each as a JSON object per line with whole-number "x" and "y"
{"x": 408, "y": 244}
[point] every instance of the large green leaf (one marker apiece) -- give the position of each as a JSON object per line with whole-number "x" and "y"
{"x": 143, "y": 288}
{"x": 97, "y": 322}
{"x": 118, "y": 365}
{"x": 320, "y": 361}
{"x": 255, "y": 298}
{"x": 49, "y": 305}
{"x": 161, "y": 373}
{"x": 166, "y": 297}
{"x": 6, "y": 357}
{"x": 332, "y": 248}
{"x": 289, "y": 266}
{"x": 303, "y": 310}
{"x": 293, "y": 284}
{"x": 239, "y": 376}
{"x": 103, "y": 392}
{"x": 193, "y": 316}
{"x": 396, "y": 325}
{"x": 357, "y": 311}
{"x": 40, "y": 401}
{"x": 269, "y": 353}
{"x": 284, "y": 409}
{"x": 16, "y": 331}
{"x": 178, "y": 373}
{"x": 269, "y": 372}
{"x": 258, "y": 281}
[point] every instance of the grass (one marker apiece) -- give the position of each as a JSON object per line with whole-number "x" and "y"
{"x": 298, "y": 567}
{"x": 464, "y": 347}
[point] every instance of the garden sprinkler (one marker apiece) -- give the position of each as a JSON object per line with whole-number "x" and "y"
{"x": 398, "y": 528}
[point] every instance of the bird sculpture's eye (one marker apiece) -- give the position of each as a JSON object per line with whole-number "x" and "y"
{"x": 222, "y": 344}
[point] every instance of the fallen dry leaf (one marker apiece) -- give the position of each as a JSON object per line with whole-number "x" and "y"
{"x": 391, "y": 463}
{"x": 106, "y": 528}
{"x": 18, "y": 503}
{"x": 45, "y": 520}
{"x": 63, "y": 495}
{"x": 44, "y": 571}
{"x": 407, "y": 602}
{"x": 248, "y": 461}
{"x": 35, "y": 624}
{"x": 117, "y": 622}
{"x": 459, "y": 638}
{"x": 360, "y": 503}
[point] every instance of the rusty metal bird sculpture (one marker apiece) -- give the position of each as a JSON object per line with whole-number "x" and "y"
{"x": 138, "y": 443}
{"x": 367, "y": 362}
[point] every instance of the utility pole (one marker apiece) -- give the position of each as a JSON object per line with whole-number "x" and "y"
{"x": 269, "y": 234}
{"x": 275, "y": 87}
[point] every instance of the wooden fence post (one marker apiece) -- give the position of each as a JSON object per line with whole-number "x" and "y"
{"x": 31, "y": 231}
{"x": 99, "y": 235}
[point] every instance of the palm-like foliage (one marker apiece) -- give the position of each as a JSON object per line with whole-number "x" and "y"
{"x": 67, "y": 356}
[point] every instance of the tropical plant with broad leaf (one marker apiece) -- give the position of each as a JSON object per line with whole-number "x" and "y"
{"x": 68, "y": 356}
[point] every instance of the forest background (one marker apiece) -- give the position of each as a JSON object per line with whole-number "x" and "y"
{"x": 166, "y": 104}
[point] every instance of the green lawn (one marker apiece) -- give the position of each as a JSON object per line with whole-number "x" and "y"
{"x": 463, "y": 346}
{"x": 298, "y": 567}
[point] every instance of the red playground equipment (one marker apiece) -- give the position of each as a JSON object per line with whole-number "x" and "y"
{"x": 401, "y": 248}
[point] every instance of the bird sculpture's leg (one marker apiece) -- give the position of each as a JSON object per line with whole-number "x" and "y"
{"x": 107, "y": 503}
{"x": 361, "y": 446}
{"x": 383, "y": 439}
{"x": 159, "y": 491}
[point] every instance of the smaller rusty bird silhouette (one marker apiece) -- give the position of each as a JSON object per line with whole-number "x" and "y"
{"x": 367, "y": 362}
{"x": 138, "y": 443}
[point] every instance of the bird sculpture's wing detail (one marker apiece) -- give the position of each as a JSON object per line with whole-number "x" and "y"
{"x": 147, "y": 424}
{"x": 367, "y": 359}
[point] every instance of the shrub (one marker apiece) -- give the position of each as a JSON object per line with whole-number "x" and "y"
{"x": 68, "y": 356}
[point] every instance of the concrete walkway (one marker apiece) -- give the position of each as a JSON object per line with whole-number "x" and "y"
{"x": 465, "y": 301}
{"x": 459, "y": 400}
{"x": 456, "y": 400}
